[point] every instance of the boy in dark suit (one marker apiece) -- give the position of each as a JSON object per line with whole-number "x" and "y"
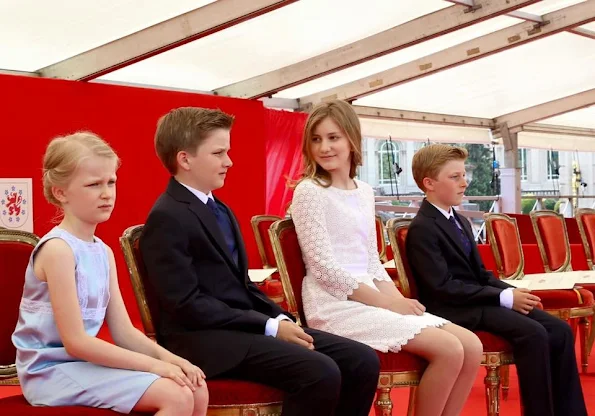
{"x": 210, "y": 311}
{"x": 453, "y": 283}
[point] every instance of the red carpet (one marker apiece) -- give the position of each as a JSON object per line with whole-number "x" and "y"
{"x": 475, "y": 404}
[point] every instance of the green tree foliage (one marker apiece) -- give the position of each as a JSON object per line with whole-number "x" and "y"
{"x": 480, "y": 156}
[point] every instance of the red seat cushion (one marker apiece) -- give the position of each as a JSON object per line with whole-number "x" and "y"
{"x": 230, "y": 392}
{"x": 493, "y": 343}
{"x": 559, "y": 299}
{"x": 18, "y": 406}
{"x": 402, "y": 361}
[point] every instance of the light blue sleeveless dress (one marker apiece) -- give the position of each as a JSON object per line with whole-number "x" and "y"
{"x": 48, "y": 375}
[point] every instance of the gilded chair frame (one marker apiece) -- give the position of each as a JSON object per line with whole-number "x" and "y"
{"x": 8, "y": 373}
{"x": 580, "y": 313}
{"x": 588, "y": 254}
{"x": 581, "y": 228}
{"x": 254, "y": 221}
{"x": 387, "y": 379}
{"x": 129, "y": 236}
{"x": 535, "y": 216}
{"x": 382, "y": 251}
{"x": 489, "y": 219}
{"x": 492, "y": 360}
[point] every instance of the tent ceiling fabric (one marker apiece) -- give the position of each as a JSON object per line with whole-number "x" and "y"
{"x": 39, "y": 34}
{"x": 501, "y": 83}
{"x": 272, "y": 41}
{"x": 584, "y": 118}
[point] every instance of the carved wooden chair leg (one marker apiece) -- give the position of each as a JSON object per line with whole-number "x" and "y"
{"x": 584, "y": 326}
{"x": 591, "y": 334}
{"x": 505, "y": 380}
{"x": 412, "y": 398}
{"x": 492, "y": 384}
{"x": 384, "y": 404}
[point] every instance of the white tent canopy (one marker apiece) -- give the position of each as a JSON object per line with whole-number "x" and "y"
{"x": 496, "y": 61}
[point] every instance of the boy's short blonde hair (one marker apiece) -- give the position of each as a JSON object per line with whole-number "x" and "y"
{"x": 429, "y": 160}
{"x": 63, "y": 156}
{"x": 184, "y": 129}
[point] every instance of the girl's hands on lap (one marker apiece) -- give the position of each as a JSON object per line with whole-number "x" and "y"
{"x": 173, "y": 372}
{"x": 194, "y": 373}
{"x": 405, "y": 306}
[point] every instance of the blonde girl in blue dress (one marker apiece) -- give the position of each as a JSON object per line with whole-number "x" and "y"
{"x": 71, "y": 287}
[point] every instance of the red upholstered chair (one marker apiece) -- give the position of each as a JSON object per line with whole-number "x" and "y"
{"x": 396, "y": 370}
{"x": 585, "y": 219}
{"x": 505, "y": 243}
{"x": 226, "y": 397}
{"x": 552, "y": 239}
{"x": 260, "y": 227}
{"x": 15, "y": 250}
{"x": 496, "y": 351}
{"x": 272, "y": 287}
{"x": 380, "y": 240}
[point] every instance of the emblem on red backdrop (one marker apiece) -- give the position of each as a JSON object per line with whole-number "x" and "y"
{"x": 15, "y": 204}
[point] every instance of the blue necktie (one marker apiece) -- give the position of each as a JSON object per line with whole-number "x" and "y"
{"x": 225, "y": 227}
{"x": 464, "y": 239}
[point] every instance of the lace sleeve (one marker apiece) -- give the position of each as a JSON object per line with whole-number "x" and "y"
{"x": 375, "y": 267}
{"x": 307, "y": 210}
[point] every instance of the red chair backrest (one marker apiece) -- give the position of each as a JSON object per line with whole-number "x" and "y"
{"x": 397, "y": 233}
{"x": 145, "y": 298}
{"x": 260, "y": 227}
{"x": 15, "y": 250}
{"x": 586, "y": 224}
{"x": 552, "y": 237}
{"x": 290, "y": 264}
{"x": 505, "y": 242}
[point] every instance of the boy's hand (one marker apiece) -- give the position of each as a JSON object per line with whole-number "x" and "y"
{"x": 291, "y": 332}
{"x": 405, "y": 306}
{"x": 523, "y": 301}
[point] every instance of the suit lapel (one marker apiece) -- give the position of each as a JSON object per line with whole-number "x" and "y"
{"x": 204, "y": 216}
{"x": 469, "y": 233}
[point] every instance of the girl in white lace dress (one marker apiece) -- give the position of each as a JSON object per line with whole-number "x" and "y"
{"x": 71, "y": 285}
{"x": 346, "y": 290}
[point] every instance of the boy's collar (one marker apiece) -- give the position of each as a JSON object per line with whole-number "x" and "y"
{"x": 199, "y": 194}
{"x": 447, "y": 213}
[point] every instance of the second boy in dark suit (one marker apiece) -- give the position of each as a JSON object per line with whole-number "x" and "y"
{"x": 453, "y": 283}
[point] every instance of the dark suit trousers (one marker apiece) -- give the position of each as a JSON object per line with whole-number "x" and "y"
{"x": 338, "y": 378}
{"x": 544, "y": 357}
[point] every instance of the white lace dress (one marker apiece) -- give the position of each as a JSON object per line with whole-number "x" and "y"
{"x": 337, "y": 235}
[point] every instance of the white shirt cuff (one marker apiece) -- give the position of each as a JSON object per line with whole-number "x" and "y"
{"x": 506, "y": 298}
{"x": 272, "y": 325}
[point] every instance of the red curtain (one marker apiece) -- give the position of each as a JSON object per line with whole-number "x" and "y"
{"x": 283, "y": 156}
{"x": 40, "y": 108}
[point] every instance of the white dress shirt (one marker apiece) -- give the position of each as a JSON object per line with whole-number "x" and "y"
{"x": 506, "y": 296}
{"x": 272, "y": 326}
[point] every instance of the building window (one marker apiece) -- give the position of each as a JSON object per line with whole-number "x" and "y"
{"x": 523, "y": 163}
{"x": 388, "y": 155}
{"x": 553, "y": 164}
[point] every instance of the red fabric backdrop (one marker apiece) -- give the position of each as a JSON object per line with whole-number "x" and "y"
{"x": 35, "y": 110}
{"x": 283, "y": 156}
